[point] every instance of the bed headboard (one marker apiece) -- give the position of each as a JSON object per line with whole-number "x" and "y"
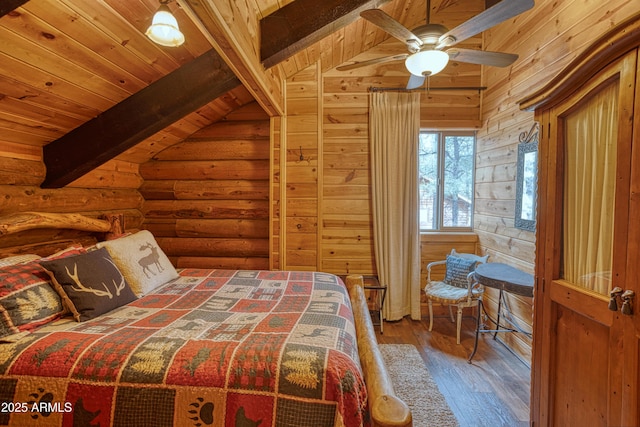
{"x": 43, "y": 233}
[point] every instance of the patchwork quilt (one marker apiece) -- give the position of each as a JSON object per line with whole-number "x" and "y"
{"x": 212, "y": 347}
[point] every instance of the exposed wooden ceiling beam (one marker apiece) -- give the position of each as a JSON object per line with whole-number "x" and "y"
{"x": 7, "y": 6}
{"x": 302, "y": 23}
{"x": 136, "y": 118}
{"x": 233, "y": 33}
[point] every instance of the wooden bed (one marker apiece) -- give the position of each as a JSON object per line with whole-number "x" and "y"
{"x": 384, "y": 408}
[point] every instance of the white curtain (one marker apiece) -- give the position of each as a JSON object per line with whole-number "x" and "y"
{"x": 394, "y": 126}
{"x": 589, "y": 192}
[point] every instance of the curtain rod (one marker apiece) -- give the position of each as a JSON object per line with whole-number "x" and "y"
{"x": 424, "y": 89}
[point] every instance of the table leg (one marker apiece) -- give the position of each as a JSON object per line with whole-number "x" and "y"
{"x": 495, "y": 334}
{"x": 475, "y": 343}
{"x": 381, "y": 302}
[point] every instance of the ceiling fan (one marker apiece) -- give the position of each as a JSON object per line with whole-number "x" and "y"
{"x": 430, "y": 45}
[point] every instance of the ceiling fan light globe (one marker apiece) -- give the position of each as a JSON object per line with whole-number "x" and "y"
{"x": 426, "y": 62}
{"x": 164, "y": 28}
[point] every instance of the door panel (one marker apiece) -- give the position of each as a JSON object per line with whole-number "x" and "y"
{"x": 580, "y": 400}
{"x": 582, "y": 241}
{"x": 631, "y": 374}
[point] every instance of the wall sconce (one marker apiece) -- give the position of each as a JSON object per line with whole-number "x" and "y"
{"x": 164, "y": 27}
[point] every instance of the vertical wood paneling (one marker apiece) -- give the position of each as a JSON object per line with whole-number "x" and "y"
{"x": 301, "y": 173}
{"x": 275, "y": 196}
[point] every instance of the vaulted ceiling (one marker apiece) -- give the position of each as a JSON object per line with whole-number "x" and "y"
{"x": 69, "y": 69}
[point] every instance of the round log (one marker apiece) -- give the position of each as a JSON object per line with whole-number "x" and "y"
{"x": 387, "y": 410}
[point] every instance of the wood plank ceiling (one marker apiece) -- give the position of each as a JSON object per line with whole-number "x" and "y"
{"x": 65, "y": 62}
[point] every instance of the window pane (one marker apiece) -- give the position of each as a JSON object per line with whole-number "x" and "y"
{"x": 428, "y": 158}
{"x": 458, "y": 181}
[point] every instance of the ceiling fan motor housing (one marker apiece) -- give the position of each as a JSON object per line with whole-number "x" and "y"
{"x": 429, "y": 35}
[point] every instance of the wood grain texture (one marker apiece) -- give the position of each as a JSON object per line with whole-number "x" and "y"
{"x": 386, "y": 408}
{"x": 300, "y": 24}
{"x": 207, "y": 198}
{"x": 547, "y": 39}
{"x": 163, "y": 102}
{"x": 32, "y": 220}
{"x": 492, "y": 391}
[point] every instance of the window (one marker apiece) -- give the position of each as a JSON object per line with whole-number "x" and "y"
{"x": 446, "y": 170}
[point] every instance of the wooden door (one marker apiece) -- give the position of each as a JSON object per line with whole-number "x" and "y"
{"x": 631, "y": 324}
{"x": 585, "y": 368}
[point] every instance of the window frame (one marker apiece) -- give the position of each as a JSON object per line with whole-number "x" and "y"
{"x": 442, "y": 135}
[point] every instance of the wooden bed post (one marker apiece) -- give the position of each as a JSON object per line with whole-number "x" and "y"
{"x": 387, "y": 410}
{"x": 117, "y": 225}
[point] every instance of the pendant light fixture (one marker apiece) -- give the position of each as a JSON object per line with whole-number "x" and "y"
{"x": 164, "y": 27}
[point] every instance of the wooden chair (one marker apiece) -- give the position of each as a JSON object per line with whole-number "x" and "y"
{"x": 458, "y": 287}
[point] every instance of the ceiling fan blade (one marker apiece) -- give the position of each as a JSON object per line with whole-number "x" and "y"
{"x": 372, "y": 61}
{"x": 383, "y": 21}
{"x": 493, "y": 16}
{"x": 415, "y": 81}
{"x": 482, "y": 57}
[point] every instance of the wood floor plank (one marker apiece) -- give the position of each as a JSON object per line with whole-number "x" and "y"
{"x": 492, "y": 391}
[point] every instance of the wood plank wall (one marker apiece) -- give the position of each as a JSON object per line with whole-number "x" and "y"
{"x": 344, "y": 213}
{"x": 276, "y": 240}
{"x": 207, "y": 198}
{"x": 300, "y": 173}
{"x": 547, "y": 39}
{"x": 328, "y": 197}
{"x": 347, "y": 228}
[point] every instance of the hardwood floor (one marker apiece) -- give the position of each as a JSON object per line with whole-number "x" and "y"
{"x": 492, "y": 391}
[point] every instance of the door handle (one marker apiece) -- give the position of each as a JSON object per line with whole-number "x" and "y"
{"x": 627, "y": 302}
{"x": 615, "y": 294}
{"x": 619, "y": 295}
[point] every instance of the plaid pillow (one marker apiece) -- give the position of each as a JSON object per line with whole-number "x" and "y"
{"x": 18, "y": 259}
{"x": 27, "y": 298}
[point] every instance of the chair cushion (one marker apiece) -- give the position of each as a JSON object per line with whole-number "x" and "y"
{"x": 442, "y": 293}
{"x": 457, "y": 271}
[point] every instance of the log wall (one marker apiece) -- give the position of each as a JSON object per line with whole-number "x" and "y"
{"x": 207, "y": 197}
{"x": 547, "y": 39}
{"x": 111, "y": 188}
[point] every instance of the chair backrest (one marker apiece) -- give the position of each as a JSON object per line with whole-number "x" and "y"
{"x": 477, "y": 258}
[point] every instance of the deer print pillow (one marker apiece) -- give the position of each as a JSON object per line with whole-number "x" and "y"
{"x": 141, "y": 261}
{"x": 89, "y": 284}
